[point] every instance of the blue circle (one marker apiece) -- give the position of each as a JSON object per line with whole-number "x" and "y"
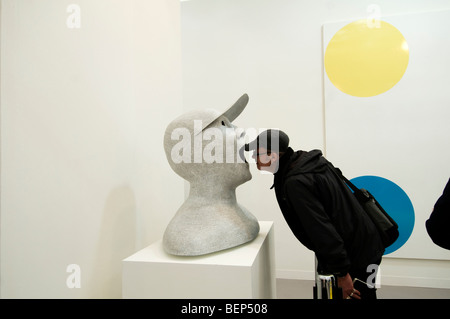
{"x": 394, "y": 201}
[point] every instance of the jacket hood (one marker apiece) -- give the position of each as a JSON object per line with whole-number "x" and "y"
{"x": 307, "y": 162}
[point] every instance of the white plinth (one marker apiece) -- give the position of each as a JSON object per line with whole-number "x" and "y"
{"x": 247, "y": 271}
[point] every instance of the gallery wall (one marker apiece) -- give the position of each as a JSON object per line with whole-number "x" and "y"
{"x": 87, "y": 89}
{"x": 274, "y": 51}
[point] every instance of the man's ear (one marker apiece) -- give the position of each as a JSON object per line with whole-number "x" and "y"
{"x": 274, "y": 157}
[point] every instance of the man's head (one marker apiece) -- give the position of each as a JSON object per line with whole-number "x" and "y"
{"x": 267, "y": 149}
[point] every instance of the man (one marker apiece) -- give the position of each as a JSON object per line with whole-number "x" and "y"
{"x": 437, "y": 224}
{"x": 321, "y": 211}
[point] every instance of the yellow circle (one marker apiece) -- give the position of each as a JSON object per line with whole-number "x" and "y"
{"x": 366, "y": 59}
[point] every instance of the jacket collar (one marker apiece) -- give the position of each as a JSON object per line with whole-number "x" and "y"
{"x": 284, "y": 162}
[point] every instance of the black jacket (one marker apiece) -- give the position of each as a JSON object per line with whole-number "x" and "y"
{"x": 437, "y": 224}
{"x": 324, "y": 215}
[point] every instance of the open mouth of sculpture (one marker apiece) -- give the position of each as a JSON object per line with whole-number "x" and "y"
{"x": 242, "y": 154}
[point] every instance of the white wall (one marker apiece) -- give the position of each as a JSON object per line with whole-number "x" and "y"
{"x": 84, "y": 177}
{"x": 272, "y": 50}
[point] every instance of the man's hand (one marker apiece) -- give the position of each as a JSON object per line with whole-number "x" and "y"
{"x": 348, "y": 291}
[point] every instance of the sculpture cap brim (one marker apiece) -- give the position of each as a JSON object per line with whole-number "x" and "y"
{"x": 233, "y": 111}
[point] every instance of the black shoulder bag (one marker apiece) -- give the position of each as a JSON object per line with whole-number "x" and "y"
{"x": 387, "y": 227}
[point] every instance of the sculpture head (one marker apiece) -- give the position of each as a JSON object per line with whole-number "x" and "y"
{"x": 204, "y": 146}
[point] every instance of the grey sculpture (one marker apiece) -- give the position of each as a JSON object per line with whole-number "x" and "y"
{"x": 203, "y": 148}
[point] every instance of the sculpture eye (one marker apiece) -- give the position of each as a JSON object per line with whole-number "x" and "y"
{"x": 223, "y": 123}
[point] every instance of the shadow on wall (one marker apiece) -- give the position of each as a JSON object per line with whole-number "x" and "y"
{"x": 117, "y": 240}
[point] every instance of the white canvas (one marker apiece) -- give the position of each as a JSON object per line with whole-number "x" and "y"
{"x": 401, "y": 135}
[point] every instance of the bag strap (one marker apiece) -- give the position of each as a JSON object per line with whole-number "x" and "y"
{"x": 339, "y": 174}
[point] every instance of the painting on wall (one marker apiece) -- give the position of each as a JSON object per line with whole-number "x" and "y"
{"x": 387, "y": 107}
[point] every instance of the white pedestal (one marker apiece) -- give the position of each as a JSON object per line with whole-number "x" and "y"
{"x": 247, "y": 271}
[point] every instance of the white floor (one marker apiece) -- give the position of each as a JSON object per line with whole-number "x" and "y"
{"x": 303, "y": 289}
